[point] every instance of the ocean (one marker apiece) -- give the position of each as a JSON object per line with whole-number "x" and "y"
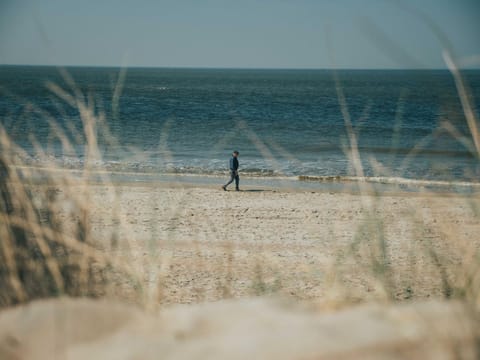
{"x": 408, "y": 124}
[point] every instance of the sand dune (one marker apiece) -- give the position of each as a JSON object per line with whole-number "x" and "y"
{"x": 243, "y": 329}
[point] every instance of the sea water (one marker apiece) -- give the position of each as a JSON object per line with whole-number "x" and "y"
{"x": 405, "y": 125}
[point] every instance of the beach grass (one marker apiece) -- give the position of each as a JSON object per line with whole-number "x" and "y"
{"x": 64, "y": 234}
{"x": 49, "y": 249}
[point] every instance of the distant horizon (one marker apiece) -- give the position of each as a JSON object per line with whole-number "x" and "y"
{"x": 233, "y": 68}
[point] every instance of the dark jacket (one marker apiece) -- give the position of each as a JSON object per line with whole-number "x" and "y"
{"x": 233, "y": 164}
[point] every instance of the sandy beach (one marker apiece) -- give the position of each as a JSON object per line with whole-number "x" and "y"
{"x": 197, "y": 243}
{"x": 265, "y": 273}
{"x": 351, "y": 127}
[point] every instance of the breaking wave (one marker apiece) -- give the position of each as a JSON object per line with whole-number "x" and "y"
{"x": 387, "y": 180}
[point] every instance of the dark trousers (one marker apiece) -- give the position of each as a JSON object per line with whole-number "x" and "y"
{"x": 233, "y": 176}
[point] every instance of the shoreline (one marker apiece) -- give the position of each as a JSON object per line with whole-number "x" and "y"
{"x": 336, "y": 184}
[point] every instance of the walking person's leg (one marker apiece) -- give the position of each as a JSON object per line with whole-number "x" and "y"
{"x": 237, "y": 181}
{"x": 232, "y": 178}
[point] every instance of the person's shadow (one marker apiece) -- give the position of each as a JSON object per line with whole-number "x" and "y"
{"x": 256, "y": 190}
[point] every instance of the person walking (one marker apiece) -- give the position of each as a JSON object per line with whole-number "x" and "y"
{"x": 233, "y": 171}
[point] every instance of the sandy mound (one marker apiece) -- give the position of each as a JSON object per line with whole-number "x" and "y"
{"x": 247, "y": 329}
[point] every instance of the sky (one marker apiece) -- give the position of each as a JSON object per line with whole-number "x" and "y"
{"x": 354, "y": 34}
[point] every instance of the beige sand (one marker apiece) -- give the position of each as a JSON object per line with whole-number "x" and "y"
{"x": 242, "y": 329}
{"x": 194, "y": 244}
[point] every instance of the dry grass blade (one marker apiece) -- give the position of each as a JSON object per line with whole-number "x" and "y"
{"x": 43, "y": 254}
{"x": 465, "y": 99}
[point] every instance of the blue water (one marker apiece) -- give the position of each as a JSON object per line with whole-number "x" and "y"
{"x": 285, "y": 123}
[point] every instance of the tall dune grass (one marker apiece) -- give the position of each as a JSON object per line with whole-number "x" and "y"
{"x": 48, "y": 247}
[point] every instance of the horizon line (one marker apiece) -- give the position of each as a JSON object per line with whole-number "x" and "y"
{"x": 230, "y": 67}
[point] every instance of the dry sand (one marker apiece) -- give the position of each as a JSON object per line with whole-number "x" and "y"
{"x": 194, "y": 244}
{"x": 78, "y": 329}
